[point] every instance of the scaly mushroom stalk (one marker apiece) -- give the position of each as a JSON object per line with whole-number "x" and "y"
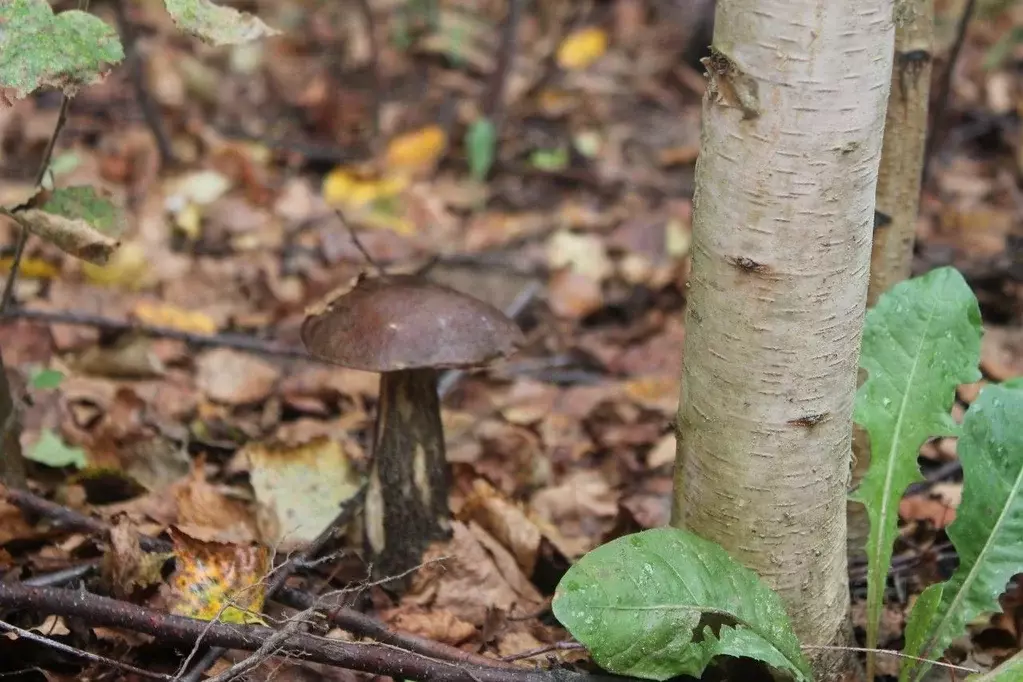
{"x": 407, "y": 495}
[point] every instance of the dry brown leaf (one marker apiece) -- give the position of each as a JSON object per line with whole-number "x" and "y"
{"x": 235, "y": 378}
{"x": 582, "y": 507}
{"x": 439, "y": 625}
{"x": 125, "y": 566}
{"x": 13, "y": 525}
{"x": 1001, "y": 352}
{"x": 505, "y": 521}
{"x": 205, "y": 513}
{"x": 73, "y": 236}
{"x": 573, "y": 295}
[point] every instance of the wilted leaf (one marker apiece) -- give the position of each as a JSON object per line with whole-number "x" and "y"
{"x": 206, "y": 513}
{"x": 166, "y": 315}
{"x": 581, "y": 48}
{"x": 507, "y": 522}
{"x": 217, "y": 25}
{"x": 73, "y": 236}
{"x": 920, "y": 341}
{"x": 665, "y": 602}
{"x": 987, "y": 528}
{"x": 300, "y": 489}
{"x": 52, "y": 451}
{"x": 218, "y": 580}
{"x": 125, "y": 566}
{"x": 416, "y": 151}
{"x": 66, "y": 51}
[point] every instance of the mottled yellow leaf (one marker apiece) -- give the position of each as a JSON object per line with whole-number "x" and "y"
{"x": 218, "y": 579}
{"x": 164, "y": 315}
{"x": 345, "y": 187}
{"x": 418, "y": 150}
{"x": 581, "y": 48}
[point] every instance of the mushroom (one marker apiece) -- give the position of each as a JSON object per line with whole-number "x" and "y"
{"x": 407, "y": 329}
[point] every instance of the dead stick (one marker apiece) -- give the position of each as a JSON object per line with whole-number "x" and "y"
{"x": 372, "y": 658}
{"x": 343, "y": 617}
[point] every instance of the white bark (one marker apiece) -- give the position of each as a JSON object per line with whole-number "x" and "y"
{"x": 792, "y": 130}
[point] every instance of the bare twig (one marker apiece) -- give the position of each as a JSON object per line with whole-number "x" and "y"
{"x": 889, "y": 652}
{"x": 267, "y": 650}
{"x": 339, "y": 615}
{"x": 354, "y": 236}
{"x": 493, "y": 106}
{"x": 135, "y": 63}
{"x": 237, "y": 341}
{"x": 541, "y": 650}
{"x": 373, "y": 658}
{"x": 78, "y": 653}
{"x": 945, "y": 85}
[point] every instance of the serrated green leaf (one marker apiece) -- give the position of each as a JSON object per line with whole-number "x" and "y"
{"x": 84, "y": 202}
{"x": 920, "y": 341}
{"x": 1009, "y": 671}
{"x": 639, "y": 602}
{"x": 40, "y": 49}
{"x": 46, "y": 379}
{"x": 988, "y": 525}
{"x": 215, "y": 24}
{"x": 54, "y": 452}
{"x": 481, "y": 145}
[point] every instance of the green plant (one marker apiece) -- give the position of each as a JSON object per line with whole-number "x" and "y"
{"x": 679, "y": 600}
{"x": 481, "y": 146}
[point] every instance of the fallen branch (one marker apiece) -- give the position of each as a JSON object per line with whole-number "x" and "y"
{"x": 338, "y": 614}
{"x": 374, "y": 658}
{"x": 79, "y": 653}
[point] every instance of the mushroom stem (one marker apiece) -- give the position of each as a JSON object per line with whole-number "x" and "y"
{"x": 407, "y": 495}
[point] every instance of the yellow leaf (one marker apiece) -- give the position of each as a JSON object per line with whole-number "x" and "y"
{"x": 581, "y": 48}
{"x": 164, "y": 315}
{"x": 343, "y": 187}
{"x": 218, "y": 579}
{"x": 418, "y": 150}
{"x": 33, "y": 268}
{"x": 128, "y": 268}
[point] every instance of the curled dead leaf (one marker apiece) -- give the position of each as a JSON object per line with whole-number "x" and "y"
{"x": 73, "y": 236}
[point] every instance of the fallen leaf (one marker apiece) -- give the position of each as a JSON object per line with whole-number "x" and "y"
{"x": 926, "y": 508}
{"x": 217, "y": 580}
{"x": 416, "y": 151}
{"x": 164, "y": 315}
{"x": 207, "y": 514}
{"x": 128, "y": 268}
{"x": 573, "y": 295}
{"x": 235, "y": 378}
{"x": 582, "y": 47}
{"x": 663, "y": 452}
{"x": 439, "y": 625}
{"x": 299, "y": 489}
{"x": 13, "y": 525}
{"x": 581, "y": 507}
{"x": 583, "y": 253}
{"x": 346, "y": 187}
{"x": 125, "y": 566}
{"x": 505, "y": 521}
{"x": 51, "y": 450}
{"x": 52, "y": 626}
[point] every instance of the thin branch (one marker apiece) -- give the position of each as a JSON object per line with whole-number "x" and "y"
{"x": 540, "y": 650}
{"x": 135, "y": 63}
{"x": 372, "y": 658}
{"x": 889, "y": 652}
{"x": 945, "y": 85}
{"x": 339, "y": 615}
{"x": 354, "y": 236}
{"x": 493, "y": 106}
{"x": 78, "y": 653}
{"x": 237, "y": 341}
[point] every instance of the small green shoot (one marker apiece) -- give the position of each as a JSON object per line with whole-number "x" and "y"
{"x": 52, "y": 451}
{"x": 481, "y": 148}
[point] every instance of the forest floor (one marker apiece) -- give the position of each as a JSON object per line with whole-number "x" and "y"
{"x": 581, "y": 231}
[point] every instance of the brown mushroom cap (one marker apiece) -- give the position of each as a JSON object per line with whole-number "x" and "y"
{"x": 403, "y": 322}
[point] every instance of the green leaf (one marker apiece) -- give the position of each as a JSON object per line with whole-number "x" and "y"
{"x": 549, "y": 159}
{"x": 1015, "y": 383}
{"x": 665, "y": 602}
{"x": 40, "y": 49}
{"x": 481, "y": 145}
{"x": 217, "y": 25}
{"x": 1009, "y": 671}
{"x": 988, "y": 526}
{"x": 46, "y": 379}
{"x": 54, "y": 452}
{"x": 84, "y": 202}
{"x": 920, "y": 341}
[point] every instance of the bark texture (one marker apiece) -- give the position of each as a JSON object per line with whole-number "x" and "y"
{"x": 898, "y": 194}
{"x": 12, "y": 462}
{"x": 407, "y": 495}
{"x": 784, "y": 209}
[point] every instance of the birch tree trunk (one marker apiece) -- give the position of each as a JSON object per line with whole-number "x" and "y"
{"x": 898, "y": 195}
{"x": 792, "y": 127}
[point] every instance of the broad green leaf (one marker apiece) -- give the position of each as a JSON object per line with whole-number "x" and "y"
{"x": 215, "y": 24}
{"x": 920, "y": 341}
{"x": 1009, "y": 671}
{"x": 54, "y": 452}
{"x": 46, "y": 378}
{"x": 40, "y": 49}
{"x": 82, "y": 201}
{"x": 1015, "y": 383}
{"x": 481, "y": 145}
{"x": 665, "y": 602}
{"x": 988, "y": 526}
